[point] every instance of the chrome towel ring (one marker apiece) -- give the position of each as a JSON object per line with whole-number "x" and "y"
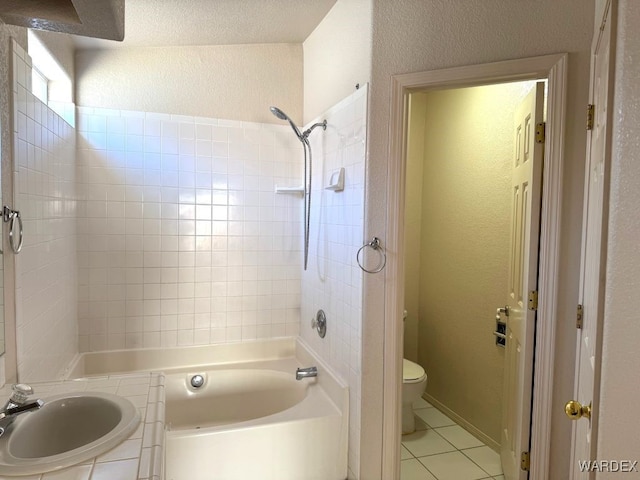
{"x": 377, "y": 246}
{"x": 9, "y": 216}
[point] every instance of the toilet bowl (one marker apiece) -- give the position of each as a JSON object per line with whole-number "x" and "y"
{"x": 414, "y": 382}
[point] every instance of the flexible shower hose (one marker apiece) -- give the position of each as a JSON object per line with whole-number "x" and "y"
{"x": 307, "y": 200}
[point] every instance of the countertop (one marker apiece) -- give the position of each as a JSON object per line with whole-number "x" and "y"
{"x": 141, "y": 456}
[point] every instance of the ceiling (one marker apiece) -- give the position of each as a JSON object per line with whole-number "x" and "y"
{"x": 156, "y": 23}
{"x": 94, "y": 18}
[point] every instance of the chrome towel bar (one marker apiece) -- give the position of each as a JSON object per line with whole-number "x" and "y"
{"x": 374, "y": 244}
{"x": 9, "y": 216}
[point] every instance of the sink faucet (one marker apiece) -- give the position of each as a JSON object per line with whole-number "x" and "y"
{"x": 18, "y": 403}
{"x": 306, "y": 372}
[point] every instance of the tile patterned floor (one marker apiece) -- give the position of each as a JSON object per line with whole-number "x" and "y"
{"x": 442, "y": 450}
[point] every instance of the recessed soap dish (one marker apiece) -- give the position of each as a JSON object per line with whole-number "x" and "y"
{"x": 336, "y": 180}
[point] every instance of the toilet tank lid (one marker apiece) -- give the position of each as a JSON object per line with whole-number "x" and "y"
{"x": 411, "y": 370}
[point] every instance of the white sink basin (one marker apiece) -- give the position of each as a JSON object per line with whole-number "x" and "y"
{"x": 68, "y": 429}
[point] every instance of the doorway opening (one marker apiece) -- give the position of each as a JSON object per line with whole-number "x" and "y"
{"x": 551, "y": 68}
{"x": 462, "y": 275}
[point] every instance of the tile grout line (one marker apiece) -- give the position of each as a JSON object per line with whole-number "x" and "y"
{"x": 479, "y": 466}
{"x": 459, "y": 450}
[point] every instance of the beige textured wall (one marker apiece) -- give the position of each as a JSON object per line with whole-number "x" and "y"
{"x": 413, "y": 219}
{"x": 412, "y": 36}
{"x": 466, "y": 215}
{"x": 337, "y": 56}
{"x": 618, "y": 429}
{"x": 235, "y": 82}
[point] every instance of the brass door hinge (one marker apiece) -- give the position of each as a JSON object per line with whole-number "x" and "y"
{"x": 590, "y": 115}
{"x": 540, "y": 132}
{"x": 533, "y": 300}
{"x": 525, "y": 461}
{"x": 579, "y": 317}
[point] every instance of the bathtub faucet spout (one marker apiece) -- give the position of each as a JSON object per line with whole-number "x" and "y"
{"x": 306, "y": 372}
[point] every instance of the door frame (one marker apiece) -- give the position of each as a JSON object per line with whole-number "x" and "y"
{"x": 554, "y": 69}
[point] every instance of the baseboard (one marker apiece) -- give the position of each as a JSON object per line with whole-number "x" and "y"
{"x": 472, "y": 429}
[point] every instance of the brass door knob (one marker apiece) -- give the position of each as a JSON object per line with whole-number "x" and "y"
{"x": 575, "y": 410}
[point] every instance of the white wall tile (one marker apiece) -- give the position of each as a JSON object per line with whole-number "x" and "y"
{"x": 333, "y": 281}
{"x": 159, "y": 203}
{"x": 46, "y": 269}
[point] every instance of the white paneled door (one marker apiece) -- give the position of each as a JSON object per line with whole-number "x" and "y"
{"x": 523, "y": 277}
{"x": 594, "y": 234}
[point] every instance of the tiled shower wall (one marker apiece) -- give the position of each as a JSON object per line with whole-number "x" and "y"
{"x": 179, "y": 236}
{"x": 45, "y": 194}
{"x": 333, "y": 281}
{"x": 182, "y": 240}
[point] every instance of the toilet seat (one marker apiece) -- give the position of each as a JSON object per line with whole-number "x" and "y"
{"x": 412, "y": 372}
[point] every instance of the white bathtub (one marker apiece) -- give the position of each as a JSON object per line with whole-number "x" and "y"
{"x": 250, "y": 419}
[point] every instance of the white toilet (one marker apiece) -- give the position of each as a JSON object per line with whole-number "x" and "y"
{"x": 414, "y": 382}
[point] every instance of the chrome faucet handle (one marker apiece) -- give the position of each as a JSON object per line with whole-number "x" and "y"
{"x": 21, "y": 392}
{"x": 25, "y": 407}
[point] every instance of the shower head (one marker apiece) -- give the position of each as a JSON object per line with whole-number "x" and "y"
{"x": 283, "y": 116}
{"x": 307, "y": 164}
{"x": 279, "y": 113}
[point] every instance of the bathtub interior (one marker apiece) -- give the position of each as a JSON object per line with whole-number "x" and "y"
{"x": 229, "y": 396}
{"x": 284, "y": 355}
{"x": 108, "y": 362}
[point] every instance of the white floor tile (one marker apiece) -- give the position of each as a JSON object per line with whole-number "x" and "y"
{"x": 421, "y": 403}
{"x": 459, "y": 437}
{"x": 453, "y": 466}
{"x": 434, "y": 417}
{"x": 446, "y": 451}
{"x": 414, "y": 470}
{"x": 426, "y": 442}
{"x": 404, "y": 453}
{"x": 486, "y": 458}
